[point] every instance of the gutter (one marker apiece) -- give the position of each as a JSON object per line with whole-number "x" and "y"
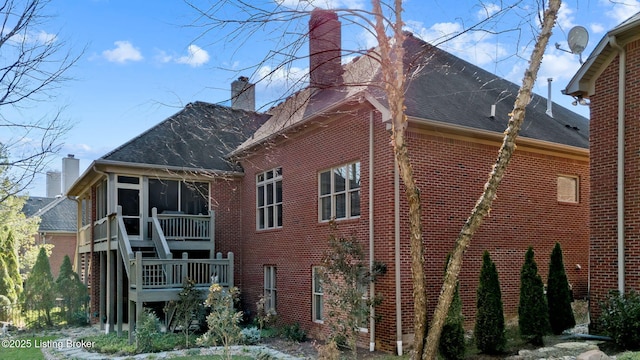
{"x": 372, "y": 289}
{"x": 396, "y": 205}
{"x": 621, "y": 159}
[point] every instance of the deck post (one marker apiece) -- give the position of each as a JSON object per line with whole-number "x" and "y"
{"x": 111, "y": 288}
{"x": 132, "y": 320}
{"x": 138, "y": 291}
{"x": 119, "y": 290}
{"x": 230, "y": 257}
{"x": 212, "y": 233}
{"x": 103, "y": 286}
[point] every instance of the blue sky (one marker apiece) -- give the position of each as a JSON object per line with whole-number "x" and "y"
{"x": 143, "y": 61}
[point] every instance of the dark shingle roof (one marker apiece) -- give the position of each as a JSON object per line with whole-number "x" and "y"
{"x": 449, "y": 89}
{"x": 199, "y": 136}
{"x": 56, "y": 214}
{"x": 442, "y": 88}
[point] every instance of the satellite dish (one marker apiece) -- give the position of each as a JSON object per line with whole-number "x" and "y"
{"x": 578, "y": 39}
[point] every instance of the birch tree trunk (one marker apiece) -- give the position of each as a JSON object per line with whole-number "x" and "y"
{"x": 391, "y": 58}
{"x": 483, "y": 205}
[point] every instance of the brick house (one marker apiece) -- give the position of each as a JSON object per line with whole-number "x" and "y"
{"x": 609, "y": 81}
{"x": 324, "y": 153}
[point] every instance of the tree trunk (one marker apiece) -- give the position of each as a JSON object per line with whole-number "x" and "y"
{"x": 483, "y": 206}
{"x": 391, "y": 58}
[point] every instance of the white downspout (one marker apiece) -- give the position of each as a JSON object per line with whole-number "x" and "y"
{"x": 396, "y": 196}
{"x": 372, "y": 290}
{"x": 621, "y": 133}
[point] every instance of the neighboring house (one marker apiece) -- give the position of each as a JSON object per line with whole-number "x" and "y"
{"x": 610, "y": 79}
{"x": 58, "y": 226}
{"x": 277, "y": 179}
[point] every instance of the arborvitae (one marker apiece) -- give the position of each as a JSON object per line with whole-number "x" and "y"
{"x": 533, "y": 314}
{"x": 489, "y": 330}
{"x": 6, "y": 284}
{"x": 11, "y": 261}
{"x": 73, "y": 292}
{"x": 558, "y": 294}
{"x": 39, "y": 293}
{"x": 452, "y": 344}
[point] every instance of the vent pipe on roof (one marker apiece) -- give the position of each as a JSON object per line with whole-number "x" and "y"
{"x": 549, "y": 103}
{"x": 243, "y": 94}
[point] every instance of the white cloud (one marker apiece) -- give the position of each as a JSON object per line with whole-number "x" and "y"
{"x": 123, "y": 52}
{"x": 597, "y": 28}
{"x": 41, "y": 37}
{"x": 487, "y": 11}
{"x": 197, "y": 56}
{"x": 620, "y": 10}
{"x": 477, "y": 47}
{"x": 565, "y": 17}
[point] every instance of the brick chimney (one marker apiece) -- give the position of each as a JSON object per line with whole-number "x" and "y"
{"x": 243, "y": 94}
{"x": 325, "y": 68}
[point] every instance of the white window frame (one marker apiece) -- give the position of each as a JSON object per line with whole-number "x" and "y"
{"x": 317, "y": 297}
{"x": 271, "y": 178}
{"x": 334, "y": 193}
{"x": 565, "y": 198}
{"x": 270, "y": 290}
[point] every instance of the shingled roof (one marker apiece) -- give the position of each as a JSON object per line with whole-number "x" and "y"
{"x": 56, "y": 214}
{"x": 198, "y": 137}
{"x": 442, "y": 88}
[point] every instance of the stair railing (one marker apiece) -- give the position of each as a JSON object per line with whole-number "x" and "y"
{"x": 157, "y": 235}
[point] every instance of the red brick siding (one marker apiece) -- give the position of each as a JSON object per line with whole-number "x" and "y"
{"x": 451, "y": 174}
{"x": 225, "y": 201}
{"x": 603, "y": 221}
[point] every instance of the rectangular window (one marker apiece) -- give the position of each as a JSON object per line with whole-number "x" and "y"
{"x": 270, "y": 289}
{"x": 317, "y": 300}
{"x": 339, "y": 192}
{"x": 173, "y": 196}
{"x": 269, "y": 199}
{"x": 568, "y": 189}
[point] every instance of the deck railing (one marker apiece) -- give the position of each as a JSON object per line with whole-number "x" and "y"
{"x": 170, "y": 273}
{"x": 158, "y": 237}
{"x": 187, "y": 227}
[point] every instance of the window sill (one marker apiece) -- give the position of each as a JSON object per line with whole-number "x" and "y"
{"x": 568, "y": 203}
{"x": 341, "y": 221}
{"x": 269, "y": 230}
{"x": 320, "y": 322}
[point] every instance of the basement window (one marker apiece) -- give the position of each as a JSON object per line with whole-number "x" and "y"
{"x": 568, "y": 189}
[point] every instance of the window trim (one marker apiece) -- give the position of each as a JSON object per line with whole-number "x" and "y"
{"x": 347, "y": 191}
{"x": 576, "y": 178}
{"x": 276, "y": 174}
{"x": 270, "y": 288}
{"x": 316, "y": 275}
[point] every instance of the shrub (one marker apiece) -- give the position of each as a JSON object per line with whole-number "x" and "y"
{"x": 533, "y": 313}
{"x": 294, "y": 333}
{"x": 73, "y": 292}
{"x": 489, "y": 329}
{"x": 452, "y": 345}
{"x": 558, "y": 294}
{"x": 187, "y": 309}
{"x": 328, "y": 351}
{"x": 264, "y": 318}
{"x": 146, "y": 331}
{"x": 250, "y": 335}
{"x": 620, "y": 319}
{"x": 224, "y": 320}
{"x": 39, "y": 293}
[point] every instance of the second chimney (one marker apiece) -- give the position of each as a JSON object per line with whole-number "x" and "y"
{"x": 325, "y": 67}
{"x": 243, "y": 94}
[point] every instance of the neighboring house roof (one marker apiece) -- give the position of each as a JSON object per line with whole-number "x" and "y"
{"x": 442, "y": 89}
{"x": 56, "y": 214}
{"x": 197, "y": 137}
{"x": 582, "y": 85}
